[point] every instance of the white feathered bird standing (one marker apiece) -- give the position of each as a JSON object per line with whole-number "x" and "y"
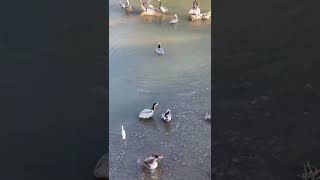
{"x": 123, "y": 133}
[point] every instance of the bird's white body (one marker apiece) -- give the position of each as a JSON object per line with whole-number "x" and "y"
{"x": 195, "y": 11}
{"x": 146, "y": 113}
{"x": 123, "y": 133}
{"x": 207, "y": 116}
{"x": 167, "y": 116}
{"x": 175, "y": 20}
{"x": 151, "y": 162}
{"x": 124, "y": 4}
{"x": 163, "y": 9}
{"x": 160, "y": 51}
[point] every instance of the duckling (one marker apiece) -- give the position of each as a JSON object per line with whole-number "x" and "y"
{"x": 160, "y": 50}
{"x": 151, "y": 162}
{"x": 175, "y": 20}
{"x": 167, "y": 116}
{"x": 147, "y": 113}
{"x": 123, "y": 133}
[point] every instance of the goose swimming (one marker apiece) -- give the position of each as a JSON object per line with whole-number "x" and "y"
{"x": 147, "y": 113}
{"x": 123, "y": 133}
{"x": 175, "y": 20}
{"x": 151, "y": 162}
{"x": 160, "y": 50}
{"x": 167, "y": 116}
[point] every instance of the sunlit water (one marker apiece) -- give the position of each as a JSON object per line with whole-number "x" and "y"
{"x": 179, "y": 81}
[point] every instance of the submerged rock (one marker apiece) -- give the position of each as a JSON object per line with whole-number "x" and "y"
{"x": 101, "y": 169}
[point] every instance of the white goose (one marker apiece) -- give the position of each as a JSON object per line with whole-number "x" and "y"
{"x": 160, "y": 50}
{"x": 123, "y": 133}
{"x": 167, "y": 116}
{"x": 175, "y": 20}
{"x": 147, "y": 113}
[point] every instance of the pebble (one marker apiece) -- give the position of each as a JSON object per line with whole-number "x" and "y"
{"x": 253, "y": 102}
{"x": 265, "y": 98}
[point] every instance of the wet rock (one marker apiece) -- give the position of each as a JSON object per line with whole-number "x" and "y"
{"x": 102, "y": 167}
{"x": 308, "y": 86}
{"x": 254, "y": 101}
{"x": 246, "y": 84}
{"x": 265, "y": 98}
{"x": 267, "y": 114}
{"x": 235, "y": 160}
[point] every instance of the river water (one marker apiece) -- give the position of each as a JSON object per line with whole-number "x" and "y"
{"x": 179, "y": 81}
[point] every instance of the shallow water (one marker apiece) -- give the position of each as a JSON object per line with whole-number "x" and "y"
{"x": 179, "y": 81}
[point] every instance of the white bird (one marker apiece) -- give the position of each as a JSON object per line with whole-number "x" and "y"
{"x": 123, "y": 133}
{"x": 193, "y": 11}
{"x": 175, "y": 20}
{"x": 147, "y": 113}
{"x": 162, "y": 8}
{"x": 207, "y": 116}
{"x": 167, "y": 116}
{"x": 124, "y": 4}
{"x": 160, "y": 50}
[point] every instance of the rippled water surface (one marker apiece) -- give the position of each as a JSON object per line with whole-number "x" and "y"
{"x": 179, "y": 81}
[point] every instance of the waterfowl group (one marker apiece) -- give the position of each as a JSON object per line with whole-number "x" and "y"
{"x": 151, "y": 163}
{"x": 148, "y": 9}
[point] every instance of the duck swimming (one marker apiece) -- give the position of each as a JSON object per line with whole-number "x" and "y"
{"x": 175, "y": 20}
{"x": 151, "y": 162}
{"x": 167, "y": 116}
{"x": 160, "y": 50}
{"x": 147, "y": 113}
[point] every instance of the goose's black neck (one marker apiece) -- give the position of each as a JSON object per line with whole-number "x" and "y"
{"x": 153, "y": 106}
